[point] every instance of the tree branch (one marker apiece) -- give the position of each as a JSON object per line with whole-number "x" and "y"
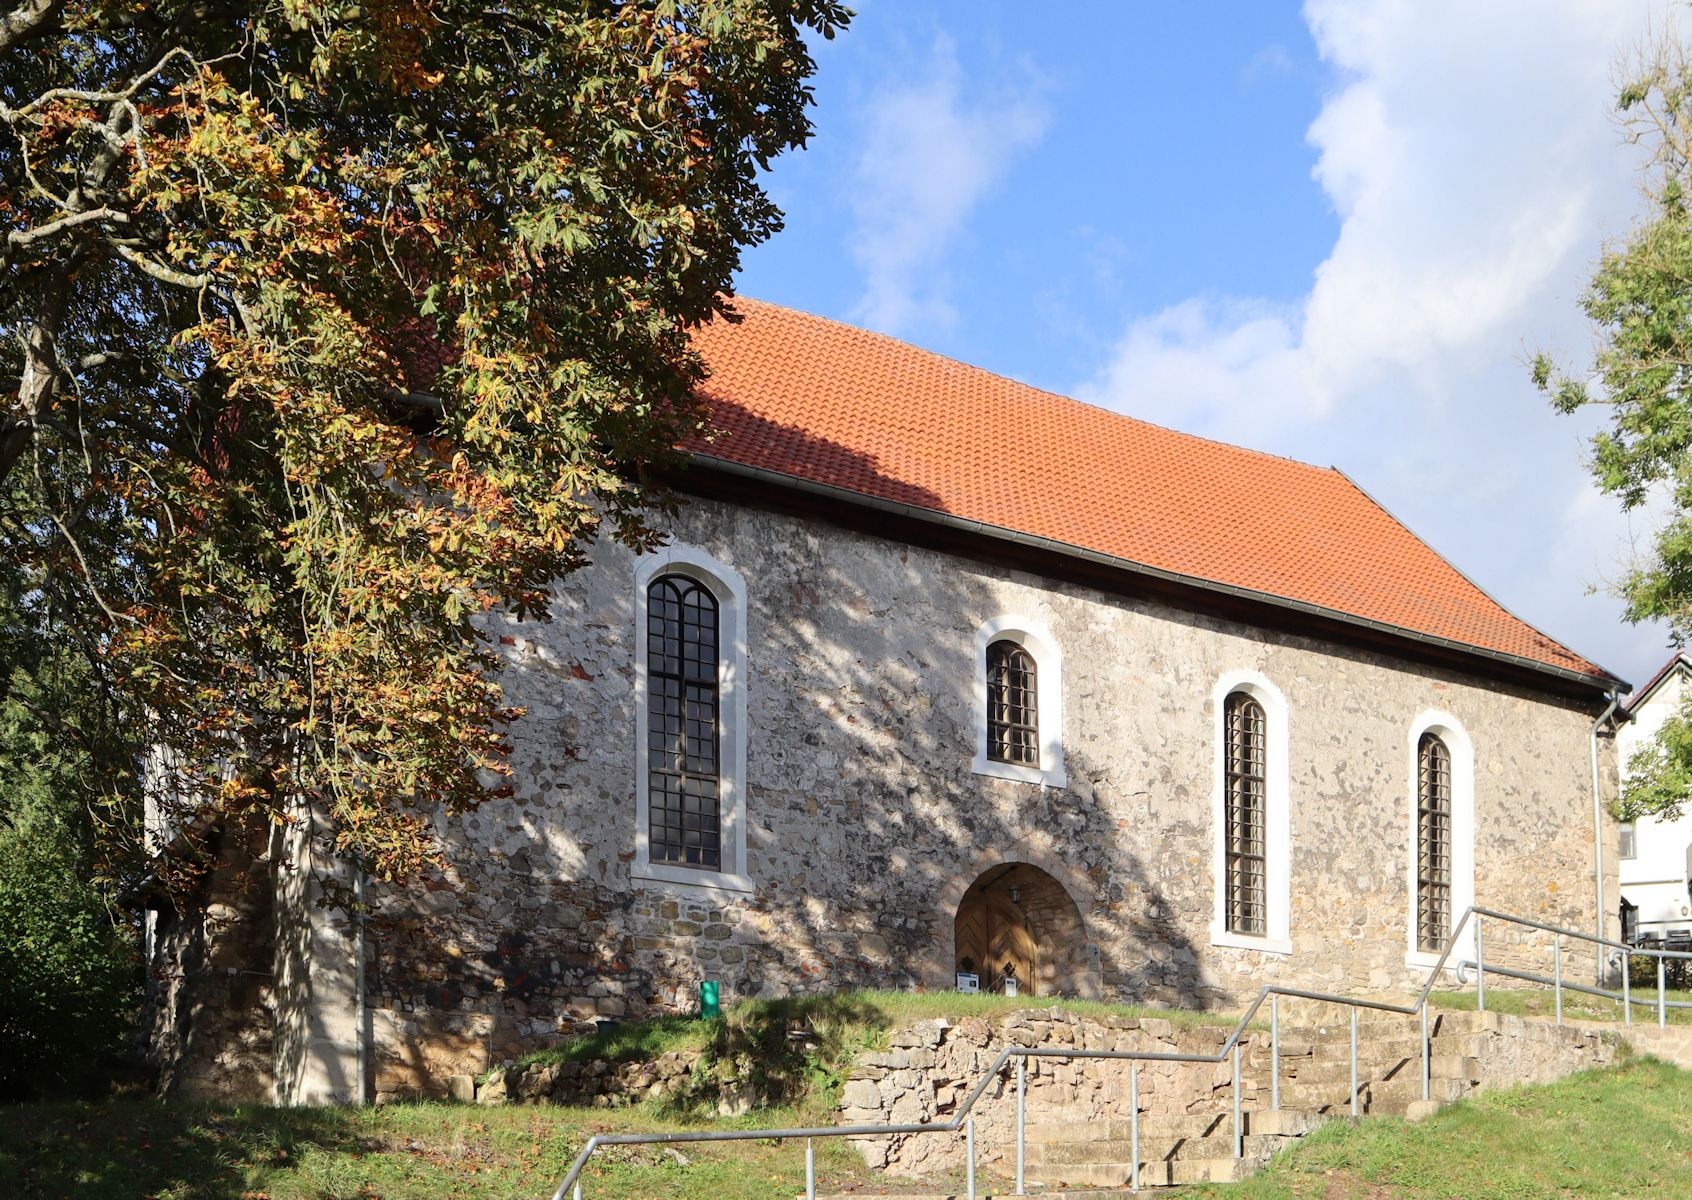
{"x": 25, "y": 237}
{"x": 24, "y": 20}
{"x": 40, "y": 371}
{"x": 162, "y": 273}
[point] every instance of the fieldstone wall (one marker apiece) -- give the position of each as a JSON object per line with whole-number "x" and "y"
{"x": 208, "y": 1017}
{"x": 931, "y": 1066}
{"x": 599, "y": 1083}
{"x": 1517, "y": 1050}
{"x": 866, "y": 822}
{"x": 1671, "y": 1043}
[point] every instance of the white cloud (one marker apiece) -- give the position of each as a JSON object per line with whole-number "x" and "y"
{"x": 1469, "y": 153}
{"x": 1273, "y": 60}
{"x": 930, "y": 152}
{"x": 1210, "y": 364}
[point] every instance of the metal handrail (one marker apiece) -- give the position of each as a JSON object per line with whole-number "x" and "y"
{"x": 1625, "y": 995}
{"x": 1575, "y": 933}
{"x": 964, "y": 1118}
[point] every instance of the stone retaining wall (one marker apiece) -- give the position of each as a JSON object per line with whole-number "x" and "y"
{"x": 1671, "y": 1044}
{"x": 930, "y": 1067}
{"x": 596, "y": 1082}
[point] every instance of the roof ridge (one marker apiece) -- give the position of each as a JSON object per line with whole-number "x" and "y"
{"x": 860, "y": 331}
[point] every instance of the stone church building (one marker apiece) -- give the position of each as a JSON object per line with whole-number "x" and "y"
{"x": 940, "y": 674}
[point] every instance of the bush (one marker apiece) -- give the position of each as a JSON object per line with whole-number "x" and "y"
{"x": 67, "y": 974}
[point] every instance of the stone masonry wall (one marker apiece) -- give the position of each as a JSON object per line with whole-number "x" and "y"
{"x": 207, "y": 1021}
{"x": 866, "y": 822}
{"x": 930, "y": 1066}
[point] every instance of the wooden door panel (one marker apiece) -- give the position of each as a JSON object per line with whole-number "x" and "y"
{"x": 994, "y": 936}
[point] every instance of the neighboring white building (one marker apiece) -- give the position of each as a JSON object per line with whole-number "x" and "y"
{"x": 1656, "y": 855}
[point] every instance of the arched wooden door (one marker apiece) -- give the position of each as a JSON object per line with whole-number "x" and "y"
{"x": 993, "y": 940}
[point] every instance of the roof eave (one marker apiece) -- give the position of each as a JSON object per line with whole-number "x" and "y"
{"x": 1602, "y": 682}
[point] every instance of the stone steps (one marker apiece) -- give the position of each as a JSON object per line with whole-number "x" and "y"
{"x": 1116, "y": 1152}
{"x": 1339, "y": 1049}
{"x": 1394, "y": 1096}
{"x": 1154, "y": 1173}
{"x": 1285, "y": 1122}
{"x": 1384, "y": 1025}
{"x": 1440, "y": 1066}
{"x": 1199, "y": 1147}
{"x": 1188, "y": 1138}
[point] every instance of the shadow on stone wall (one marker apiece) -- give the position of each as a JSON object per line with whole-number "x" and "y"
{"x": 206, "y": 1019}
{"x": 866, "y": 822}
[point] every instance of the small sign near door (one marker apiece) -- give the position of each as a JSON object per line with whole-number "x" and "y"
{"x": 968, "y": 982}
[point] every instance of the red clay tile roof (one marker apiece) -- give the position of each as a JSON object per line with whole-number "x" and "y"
{"x": 826, "y": 403}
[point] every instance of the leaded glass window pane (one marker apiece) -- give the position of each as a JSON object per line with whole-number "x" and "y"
{"x": 1433, "y": 843}
{"x": 1245, "y": 803}
{"x": 1013, "y": 723}
{"x": 683, "y": 730}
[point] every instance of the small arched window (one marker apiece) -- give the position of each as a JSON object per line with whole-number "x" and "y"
{"x": 1433, "y": 843}
{"x": 683, "y": 724}
{"x": 1013, "y": 719}
{"x": 1245, "y": 800}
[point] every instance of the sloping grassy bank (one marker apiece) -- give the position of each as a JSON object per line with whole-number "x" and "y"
{"x": 794, "y": 1050}
{"x": 1622, "y": 1132}
{"x": 1542, "y": 1002}
{"x": 145, "y": 1150}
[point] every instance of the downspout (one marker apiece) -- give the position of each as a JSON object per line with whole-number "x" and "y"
{"x": 1598, "y": 825}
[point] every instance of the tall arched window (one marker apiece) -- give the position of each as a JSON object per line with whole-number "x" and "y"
{"x": 1433, "y": 843}
{"x": 683, "y": 724}
{"x": 1439, "y": 775}
{"x": 1245, "y": 779}
{"x": 1013, "y": 717}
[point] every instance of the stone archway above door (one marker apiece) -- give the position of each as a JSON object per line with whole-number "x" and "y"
{"x": 1016, "y": 921}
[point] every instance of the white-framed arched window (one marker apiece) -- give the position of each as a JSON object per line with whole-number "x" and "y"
{"x": 690, "y": 720}
{"x": 1440, "y": 834}
{"x": 1018, "y": 702}
{"x": 1251, "y": 815}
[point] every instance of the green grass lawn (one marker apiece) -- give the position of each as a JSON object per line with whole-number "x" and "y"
{"x": 145, "y": 1150}
{"x": 1541, "y": 1002}
{"x": 1624, "y": 1132}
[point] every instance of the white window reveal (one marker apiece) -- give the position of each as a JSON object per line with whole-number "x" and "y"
{"x": 690, "y": 721}
{"x": 1441, "y": 835}
{"x": 1251, "y": 816}
{"x": 1018, "y": 702}
{"x": 1629, "y": 833}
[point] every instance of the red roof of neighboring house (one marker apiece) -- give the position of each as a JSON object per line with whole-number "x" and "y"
{"x": 828, "y": 404}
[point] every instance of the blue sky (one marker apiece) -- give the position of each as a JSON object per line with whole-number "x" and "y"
{"x": 1332, "y": 231}
{"x": 1129, "y": 172}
